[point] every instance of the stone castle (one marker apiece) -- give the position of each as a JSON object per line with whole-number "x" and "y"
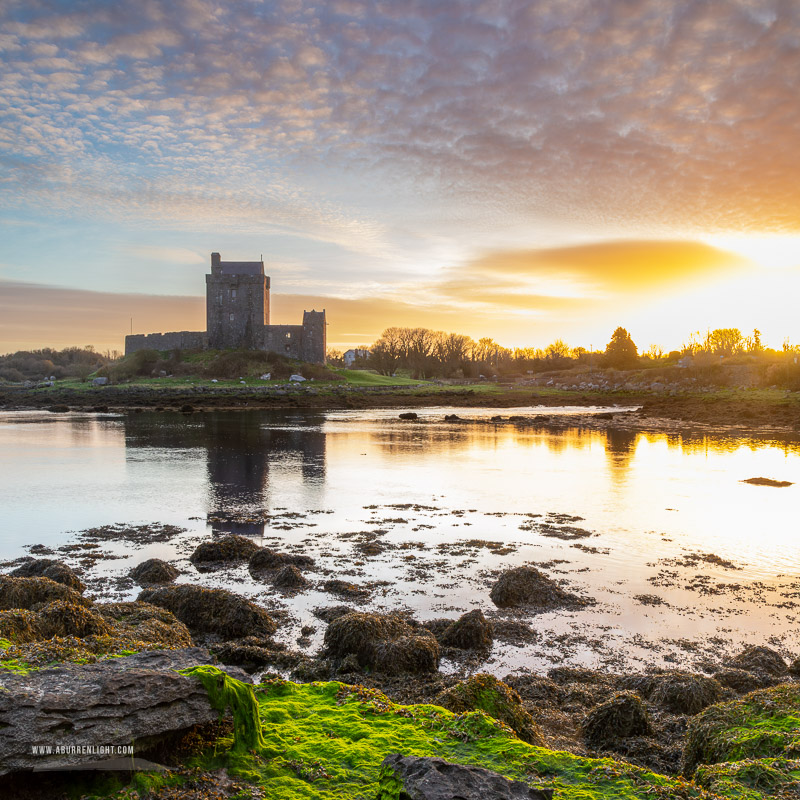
{"x": 237, "y": 315}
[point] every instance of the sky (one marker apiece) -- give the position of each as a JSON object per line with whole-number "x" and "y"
{"x": 506, "y": 168}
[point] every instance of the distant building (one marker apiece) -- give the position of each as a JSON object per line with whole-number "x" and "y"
{"x": 237, "y": 316}
{"x": 350, "y": 356}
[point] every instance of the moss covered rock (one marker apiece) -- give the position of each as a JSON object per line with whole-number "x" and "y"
{"x": 762, "y": 724}
{"x": 214, "y": 611}
{"x": 620, "y": 717}
{"x": 225, "y": 550}
{"x": 34, "y": 592}
{"x": 484, "y": 692}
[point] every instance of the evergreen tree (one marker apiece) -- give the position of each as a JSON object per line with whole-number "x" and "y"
{"x": 621, "y": 351}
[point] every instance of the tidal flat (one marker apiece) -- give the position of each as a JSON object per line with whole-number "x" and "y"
{"x": 652, "y": 552}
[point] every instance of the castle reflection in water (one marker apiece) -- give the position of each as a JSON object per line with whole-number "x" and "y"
{"x": 240, "y": 453}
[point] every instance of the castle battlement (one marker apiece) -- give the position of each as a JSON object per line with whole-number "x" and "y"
{"x": 237, "y": 316}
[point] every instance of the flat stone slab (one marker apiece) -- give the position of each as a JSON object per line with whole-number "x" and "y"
{"x": 437, "y": 779}
{"x": 61, "y": 716}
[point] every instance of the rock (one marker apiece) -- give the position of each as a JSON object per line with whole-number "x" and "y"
{"x": 452, "y": 418}
{"x": 119, "y": 701}
{"x": 99, "y": 381}
{"x": 57, "y": 571}
{"x": 425, "y": 778}
{"x": 34, "y": 592}
{"x": 678, "y": 692}
{"x": 620, "y": 717}
{"x": 483, "y": 692}
{"x": 290, "y": 579}
{"x": 154, "y": 570}
{"x": 265, "y": 559}
{"x": 209, "y": 556}
{"x": 351, "y": 591}
{"x": 471, "y": 631}
{"x": 382, "y": 641}
{"x": 297, "y": 378}
{"x": 214, "y": 611}
{"x": 408, "y": 415}
{"x": 526, "y": 586}
{"x": 757, "y": 658}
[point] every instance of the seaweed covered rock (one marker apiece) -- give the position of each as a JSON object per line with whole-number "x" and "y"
{"x": 762, "y": 724}
{"x": 757, "y": 658}
{"x": 471, "y": 631}
{"x": 427, "y": 778}
{"x": 414, "y": 653}
{"x": 265, "y": 559}
{"x": 484, "y": 692}
{"x": 350, "y": 591}
{"x": 146, "y": 623}
{"x": 153, "y": 571}
{"x": 289, "y": 579}
{"x": 678, "y": 692}
{"x": 620, "y": 717}
{"x": 225, "y": 550}
{"x": 64, "y": 618}
{"x": 526, "y": 586}
{"x": 741, "y": 681}
{"x": 34, "y": 592}
{"x": 19, "y": 626}
{"x": 57, "y": 571}
{"x": 382, "y": 641}
{"x": 212, "y": 611}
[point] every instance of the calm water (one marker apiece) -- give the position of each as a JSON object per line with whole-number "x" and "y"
{"x": 325, "y": 483}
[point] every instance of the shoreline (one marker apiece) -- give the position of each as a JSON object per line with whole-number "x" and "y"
{"x": 741, "y": 413}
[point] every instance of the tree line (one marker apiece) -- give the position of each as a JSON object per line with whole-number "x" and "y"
{"x": 427, "y": 353}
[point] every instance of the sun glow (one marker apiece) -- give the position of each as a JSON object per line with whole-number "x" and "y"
{"x": 773, "y": 251}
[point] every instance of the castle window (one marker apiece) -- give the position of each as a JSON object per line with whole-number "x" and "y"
{"x": 289, "y": 335}
{"x": 233, "y": 293}
{"x": 231, "y": 317}
{"x": 219, "y": 298}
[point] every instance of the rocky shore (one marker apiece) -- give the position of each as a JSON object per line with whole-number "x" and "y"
{"x": 168, "y": 676}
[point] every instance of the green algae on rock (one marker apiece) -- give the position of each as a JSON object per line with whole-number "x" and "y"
{"x": 325, "y": 741}
{"x": 484, "y": 692}
{"x": 762, "y": 724}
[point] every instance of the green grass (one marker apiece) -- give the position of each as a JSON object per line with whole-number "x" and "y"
{"x": 363, "y": 377}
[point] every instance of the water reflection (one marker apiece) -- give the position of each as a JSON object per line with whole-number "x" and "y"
{"x": 240, "y": 451}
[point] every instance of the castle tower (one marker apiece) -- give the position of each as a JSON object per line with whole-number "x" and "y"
{"x": 237, "y": 303}
{"x": 314, "y": 336}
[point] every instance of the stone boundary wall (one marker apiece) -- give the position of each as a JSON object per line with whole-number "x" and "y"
{"x": 177, "y": 340}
